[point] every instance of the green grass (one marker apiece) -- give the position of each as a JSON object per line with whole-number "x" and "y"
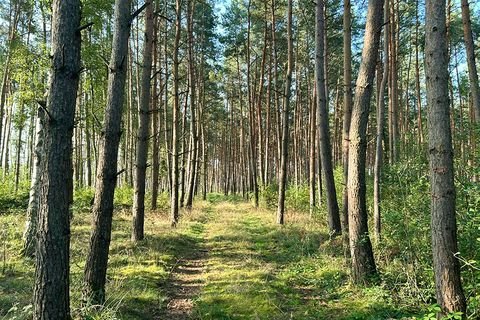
{"x": 253, "y": 268}
{"x": 135, "y": 275}
{"x": 258, "y": 270}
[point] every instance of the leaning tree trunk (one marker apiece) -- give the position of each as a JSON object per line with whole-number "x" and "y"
{"x": 322, "y": 119}
{"x": 97, "y": 258}
{"x": 286, "y": 110}
{"x": 51, "y": 298}
{"x": 138, "y": 210}
{"x": 448, "y": 285}
{"x": 363, "y": 263}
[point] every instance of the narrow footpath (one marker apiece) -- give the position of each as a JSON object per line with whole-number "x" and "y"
{"x": 240, "y": 265}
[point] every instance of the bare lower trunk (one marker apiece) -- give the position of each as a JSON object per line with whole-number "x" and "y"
{"x": 29, "y": 234}
{"x": 97, "y": 258}
{"x": 51, "y": 298}
{"x": 449, "y": 290}
{"x": 174, "y": 164}
{"x": 138, "y": 209}
{"x": 380, "y": 125}
{"x": 322, "y": 119}
{"x": 347, "y": 115}
{"x": 285, "y": 119}
{"x": 472, "y": 68}
{"x": 363, "y": 263}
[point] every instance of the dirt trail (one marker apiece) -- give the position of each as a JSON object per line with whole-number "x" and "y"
{"x": 185, "y": 284}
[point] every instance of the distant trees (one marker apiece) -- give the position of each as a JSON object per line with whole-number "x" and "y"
{"x": 51, "y": 299}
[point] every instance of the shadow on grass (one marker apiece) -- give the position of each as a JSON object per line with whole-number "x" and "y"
{"x": 262, "y": 271}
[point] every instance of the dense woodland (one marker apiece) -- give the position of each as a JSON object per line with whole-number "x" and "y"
{"x": 299, "y": 159}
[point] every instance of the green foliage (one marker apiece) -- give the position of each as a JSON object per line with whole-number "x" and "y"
{"x": 11, "y": 200}
{"x": 298, "y": 198}
{"x": 83, "y": 199}
{"x": 123, "y": 197}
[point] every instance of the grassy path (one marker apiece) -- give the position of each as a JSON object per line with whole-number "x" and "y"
{"x": 244, "y": 266}
{"x": 226, "y": 260}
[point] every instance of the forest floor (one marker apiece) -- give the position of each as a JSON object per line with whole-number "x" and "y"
{"x": 226, "y": 260}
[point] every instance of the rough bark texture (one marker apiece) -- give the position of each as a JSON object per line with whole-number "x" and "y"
{"x": 322, "y": 119}
{"x": 472, "y": 68}
{"x": 449, "y": 290}
{"x": 51, "y": 298}
{"x": 311, "y": 164}
{"x": 380, "y": 125}
{"x": 29, "y": 234}
{"x": 192, "y": 94}
{"x": 138, "y": 210}
{"x": 286, "y": 110}
{"x": 347, "y": 113}
{"x": 363, "y": 263}
{"x": 97, "y": 259}
{"x": 174, "y": 166}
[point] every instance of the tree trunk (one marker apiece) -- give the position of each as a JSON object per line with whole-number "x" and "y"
{"x": 472, "y": 68}
{"x": 29, "y": 234}
{"x": 363, "y": 263}
{"x": 449, "y": 290}
{"x": 380, "y": 125}
{"x": 51, "y": 298}
{"x": 285, "y": 119}
{"x": 155, "y": 111}
{"x": 347, "y": 114}
{"x": 97, "y": 258}
{"x": 174, "y": 165}
{"x": 138, "y": 209}
{"x": 322, "y": 119}
{"x": 193, "y": 110}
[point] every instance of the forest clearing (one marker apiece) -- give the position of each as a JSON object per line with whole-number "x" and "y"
{"x": 239, "y": 159}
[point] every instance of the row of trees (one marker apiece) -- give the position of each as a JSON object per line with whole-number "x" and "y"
{"x": 167, "y": 113}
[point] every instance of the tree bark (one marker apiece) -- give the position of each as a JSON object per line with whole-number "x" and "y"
{"x": 138, "y": 210}
{"x": 285, "y": 119}
{"x": 448, "y": 285}
{"x": 363, "y": 263}
{"x": 193, "y": 110}
{"x": 380, "y": 125}
{"x": 29, "y": 234}
{"x": 97, "y": 258}
{"x": 347, "y": 114}
{"x": 322, "y": 119}
{"x": 51, "y": 298}
{"x": 472, "y": 68}
{"x": 174, "y": 164}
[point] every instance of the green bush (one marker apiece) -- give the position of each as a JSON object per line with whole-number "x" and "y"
{"x": 11, "y": 199}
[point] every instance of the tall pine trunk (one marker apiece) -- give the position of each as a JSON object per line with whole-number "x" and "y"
{"x": 448, "y": 285}
{"x": 51, "y": 297}
{"x": 322, "y": 120}
{"x": 138, "y": 209}
{"x": 285, "y": 119}
{"x": 363, "y": 263}
{"x": 102, "y": 212}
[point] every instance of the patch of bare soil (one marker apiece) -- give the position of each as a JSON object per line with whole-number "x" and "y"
{"x": 184, "y": 285}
